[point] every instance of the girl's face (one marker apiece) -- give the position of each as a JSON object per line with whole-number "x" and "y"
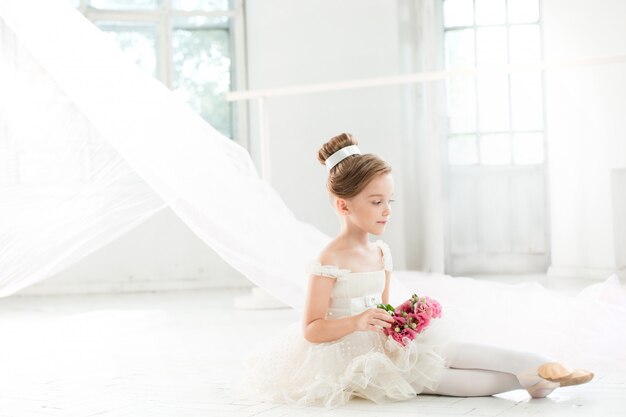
{"x": 371, "y": 208}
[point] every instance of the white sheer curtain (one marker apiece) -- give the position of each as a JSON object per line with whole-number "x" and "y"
{"x": 91, "y": 146}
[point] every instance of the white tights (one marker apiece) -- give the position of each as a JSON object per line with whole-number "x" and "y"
{"x": 483, "y": 370}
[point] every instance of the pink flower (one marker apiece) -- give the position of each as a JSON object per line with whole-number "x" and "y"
{"x": 436, "y": 308}
{"x": 405, "y": 307}
{"x": 423, "y": 322}
{"x": 423, "y": 306}
{"x": 412, "y": 317}
{"x": 397, "y": 337}
{"x": 410, "y": 333}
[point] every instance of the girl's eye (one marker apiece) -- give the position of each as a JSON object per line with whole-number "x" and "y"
{"x": 378, "y": 202}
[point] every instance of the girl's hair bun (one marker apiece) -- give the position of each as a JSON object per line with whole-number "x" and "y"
{"x": 352, "y": 174}
{"x": 333, "y": 145}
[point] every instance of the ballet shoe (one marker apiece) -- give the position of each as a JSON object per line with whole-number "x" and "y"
{"x": 555, "y": 372}
{"x": 579, "y": 376}
{"x": 541, "y": 381}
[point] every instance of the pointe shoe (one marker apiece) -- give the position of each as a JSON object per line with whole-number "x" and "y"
{"x": 555, "y": 372}
{"x": 579, "y": 376}
{"x": 541, "y": 381}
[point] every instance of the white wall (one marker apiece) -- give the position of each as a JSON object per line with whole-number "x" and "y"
{"x": 586, "y": 133}
{"x": 302, "y": 42}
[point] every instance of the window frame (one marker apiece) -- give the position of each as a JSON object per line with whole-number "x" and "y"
{"x": 161, "y": 17}
{"x": 511, "y": 131}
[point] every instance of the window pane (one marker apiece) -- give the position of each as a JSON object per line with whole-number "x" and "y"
{"x": 459, "y": 46}
{"x": 490, "y": 12}
{"x": 495, "y": 149}
{"x": 204, "y": 5}
{"x": 201, "y": 58}
{"x": 525, "y": 43}
{"x": 493, "y": 102}
{"x": 458, "y": 13}
{"x": 462, "y": 104}
{"x": 528, "y": 148}
{"x": 137, "y": 40}
{"x": 491, "y": 46}
{"x": 125, "y": 4}
{"x": 461, "y": 91}
{"x": 523, "y": 11}
{"x": 462, "y": 150}
{"x": 526, "y": 101}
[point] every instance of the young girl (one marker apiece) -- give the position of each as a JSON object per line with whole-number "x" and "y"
{"x": 340, "y": 350}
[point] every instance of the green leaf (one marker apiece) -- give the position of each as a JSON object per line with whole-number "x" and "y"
{"x": 387, "y": 307}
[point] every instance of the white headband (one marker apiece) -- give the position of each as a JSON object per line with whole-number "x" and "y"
{"x": 340, "y": 155}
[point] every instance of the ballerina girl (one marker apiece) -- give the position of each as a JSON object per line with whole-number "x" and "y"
{"x": 340, "y": 351}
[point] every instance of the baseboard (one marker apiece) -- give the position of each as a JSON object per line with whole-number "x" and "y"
{"x": 599, "y": 274}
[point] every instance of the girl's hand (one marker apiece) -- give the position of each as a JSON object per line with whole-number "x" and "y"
{"x": 371, "y": 318}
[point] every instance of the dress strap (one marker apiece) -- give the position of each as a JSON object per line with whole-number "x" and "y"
{"x": 332, "y": 271}
{"x": 387, "y": 260}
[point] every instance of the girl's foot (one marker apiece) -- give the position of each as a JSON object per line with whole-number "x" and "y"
{"x": 579, "y": 376}
{"x": 541, "y": 381}
{"x": 555, "y": 372}
{"x": 542, "y": 389}
{"x": 536, "y": 386}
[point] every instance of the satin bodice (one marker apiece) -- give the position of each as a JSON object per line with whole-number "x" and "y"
{"x": 354, "y": 292}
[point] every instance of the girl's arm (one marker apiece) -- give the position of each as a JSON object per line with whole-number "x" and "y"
{"x": 317, "y": 329}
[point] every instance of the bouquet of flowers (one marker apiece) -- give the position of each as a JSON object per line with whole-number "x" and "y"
{"x": 411, "y": 317}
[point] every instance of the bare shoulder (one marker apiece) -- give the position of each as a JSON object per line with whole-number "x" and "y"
{"x": 355, "y": 259}
{"x": 328, "y": 256}
{"x": 333, "y": 254}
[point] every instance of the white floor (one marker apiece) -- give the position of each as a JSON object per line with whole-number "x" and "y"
{"x": 177, "y": 354}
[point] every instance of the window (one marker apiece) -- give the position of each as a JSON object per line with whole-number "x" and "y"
{"x": 494, "y": 119}
{"x": 188, "y": 45}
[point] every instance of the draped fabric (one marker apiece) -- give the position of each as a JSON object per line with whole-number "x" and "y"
{"x": 102, "y": 147}
{"x": 90, "y": 147}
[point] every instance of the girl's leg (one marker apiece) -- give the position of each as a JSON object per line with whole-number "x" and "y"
{"x": 473, "y": 383}
{"x": 518, "y": 366}
{"x": 477, "y": 356}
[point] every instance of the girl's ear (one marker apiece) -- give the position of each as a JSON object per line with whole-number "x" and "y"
{"x": 342, "y": 206}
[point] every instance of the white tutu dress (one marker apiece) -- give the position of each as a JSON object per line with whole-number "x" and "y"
{"x": 289, "y": 369}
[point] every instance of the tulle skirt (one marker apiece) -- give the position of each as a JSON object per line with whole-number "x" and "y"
{"x": 288, "y": 369}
